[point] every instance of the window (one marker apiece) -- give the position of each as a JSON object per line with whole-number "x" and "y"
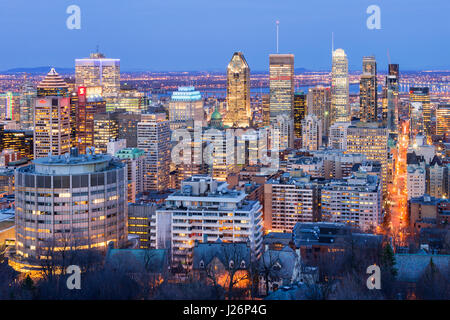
{"x": 242, "y": 264}
{"x": 202, "y": 264}
{"x": 231, "y": 264}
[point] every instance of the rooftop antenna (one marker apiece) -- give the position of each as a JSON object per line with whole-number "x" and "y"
{"x": 97, "y": 48}
{"x": 332, "y": 42}
{"x": 388, "y": 56}
{"x": 278, "y": 26}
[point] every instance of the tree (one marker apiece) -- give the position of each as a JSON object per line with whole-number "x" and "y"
{"x": 434, "y": 285}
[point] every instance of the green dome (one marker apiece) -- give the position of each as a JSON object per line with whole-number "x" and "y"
{"x": 216, "y": 115}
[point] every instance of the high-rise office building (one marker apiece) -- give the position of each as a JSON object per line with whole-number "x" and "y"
{"x": 340, "y": 107}
{"x": 153, "y": 136}
{"x": 27, "y": 101}
{"x": 443, "y": 120}
{"x": 311, "y": 133}
{"x": 238, "y": 92}
{"x": 99, "y": 71}
{"x": 368, "y": 96}
{"x": 21, "y": 141}
{"x": 391, "y": 102}
{"x": 422, "y": 95}
{"x": 87, "y": 107}
{"x": 281, "y": 82}
{"x": 318, "y": 104}
{"x": 106, "y": 129}
{"x": 73, "y": 201}
{"x": 10, "y": 105}
{"x": 52, "y": 117}
{"x": 299, "y": 113}
{"x": 185, "y": 105}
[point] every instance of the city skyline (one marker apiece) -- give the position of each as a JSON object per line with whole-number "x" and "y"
{"x": 189, "y": 39}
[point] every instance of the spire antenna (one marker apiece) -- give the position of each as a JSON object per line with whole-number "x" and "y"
{"x": 278, "y": 24}
{"x": 332, "y": 42}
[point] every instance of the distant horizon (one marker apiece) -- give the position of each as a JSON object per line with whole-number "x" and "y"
{"x": 15, "y": 70}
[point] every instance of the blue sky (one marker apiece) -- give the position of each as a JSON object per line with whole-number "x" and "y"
{"x": 164, "y": 35}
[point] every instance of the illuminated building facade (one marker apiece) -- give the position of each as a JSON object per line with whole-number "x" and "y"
{"x": 391, "y": 103}
{"x": 27, "y": 101}
{"x": 368, "y": 91}
{"x": 421, "y": 95}
{"x": 134, "y": 159}
{"x": 52, "y": 117}
{"x": 337, "y": 138}
{"x": 87, "y": 107}
{"x": 99, "y": 71}
{"x": 206, "y": 208}
{"x": 370, "y": 139}
{"x": 356, "y": 200}
{"x": 238, "y": 92}
{"x": 311, "y": 133}
{"x": 318, "y": 104}
{"x": 443, "y": 119}
{"x": 10, "y": 102}
{"x": 415, "y": 181}
{"x": 140, "y": 223}
{"x": 281, "y": 82}
{"x": 287, "y": 201}
{"x": 21, "y": 141}
{"x": 299, "y": 113}
{"x": 75, "y": 201}
{"x": 340, "y": 107}
{"x": 153, "y": 136}
{"x": 185, "y": 105}
{"x": 106, "y": 129}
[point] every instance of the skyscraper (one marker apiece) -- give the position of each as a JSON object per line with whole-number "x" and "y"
{"x": 106, "y": 128}
{"x": 340, "y": 106}
{"x": 318, "y": 104}
{"x": 96, "y": 71}
{"x": 185, "y": 105}
{"x": 238, "y": 92}
{"x": 281, "y": 82}
{"x": 153, "y": 136}
{"x": 422, "y": 95}
{"x": 52, "y": 117}
{"x": 27, "y": 100}
{"x": 443, "y": 119}
{"x": 87, "y": 107}
{"x": 299, "y": 113}
{"x": 368, "y": 91}
{"x": 391, "y": 99}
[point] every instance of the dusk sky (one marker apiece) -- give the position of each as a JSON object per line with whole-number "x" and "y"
{"x": 174, "y": 35}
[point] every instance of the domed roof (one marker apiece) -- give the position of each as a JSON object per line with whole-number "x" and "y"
{"x": 216, "y": 115}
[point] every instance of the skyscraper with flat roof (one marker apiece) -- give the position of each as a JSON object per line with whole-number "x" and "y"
{"x": 368, "y": 96}
{"x": 97, "y": 70}
{"x": 153, "y": 136}
{"x": 340, "y": 106}
{"x": 281, "y": 82}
